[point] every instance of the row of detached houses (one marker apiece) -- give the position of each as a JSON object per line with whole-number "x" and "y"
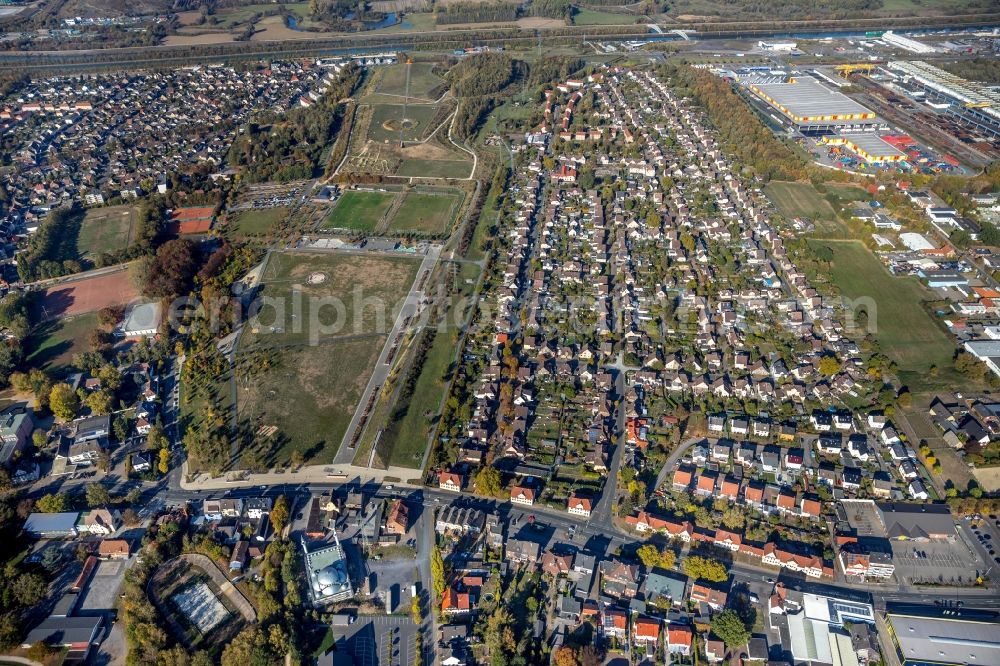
{"x": 95, "y": 137}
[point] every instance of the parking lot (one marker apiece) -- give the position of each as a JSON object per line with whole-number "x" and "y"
{"x": 382, "y": 641}
{"x": 102, "y": 592}
{"x": 934, "y": 562}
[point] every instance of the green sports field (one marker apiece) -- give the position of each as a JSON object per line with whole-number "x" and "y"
{"x": 425, "y": 213}
{"x": 360, "y": 211}
{"x": 105, "y": 230}
{"x": 53, "y": 344}
{"x": 245, "y": 223}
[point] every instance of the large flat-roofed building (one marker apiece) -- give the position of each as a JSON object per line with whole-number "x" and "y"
{"x": 52, "y": 525}
{"x": 941, "y": 641}
{"x": 918, "y": 522}
{"x": 811, "y": 106}
{"x": 869, "y": 147}
{"x": 973, "y": 103}
{"x": 987, "y": 351}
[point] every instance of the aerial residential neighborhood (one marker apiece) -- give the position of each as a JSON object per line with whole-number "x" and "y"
{"x": 490, "y": 333}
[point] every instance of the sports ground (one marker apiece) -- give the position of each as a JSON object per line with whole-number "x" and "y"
{"x": 393, "y": 210}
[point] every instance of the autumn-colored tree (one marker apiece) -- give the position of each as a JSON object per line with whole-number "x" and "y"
{"x": 279, "y": 514}
{"x": 564, "y": 656}
{"x": 64, "y": 402}
{"x": 164, "y": 464}
{"x": 488, "y": 481}
{"x": 829, "y": 366}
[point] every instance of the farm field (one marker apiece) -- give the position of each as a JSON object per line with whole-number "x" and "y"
{"x": 359, "y": 211}
{"x": 425, "y": 212}
{"x": 52, "y": 344}
{"x": 255, "y": 222}
{"x": 593, "y": 17}
{"x": 423, "y": 81}
{"x": 360, "y": 294}
{"x": 905, "y": 331}
{"x": 106, "y": 230}
{"x": 304, "y": 400}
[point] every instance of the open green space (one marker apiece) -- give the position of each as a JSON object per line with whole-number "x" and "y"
{"x": 305, "y": 399}
{"x": 255, "y": 222}
{"x": 895, "y": 314}
{"x": 419, "y": 168}
{"x": 360, "y": 211}
{"x": 425, "y": 212}
{"x": 844, "y": 195}
{"x": 410, "y": 424}
{"x": 388, "y": 119}
{"x": 423, "y": 81}
{"x": 309, "y": 297}
{"x": 799, "y": 200}
{"x": 105, "y": 230}
{"x": 583, "y": 16}
{"x": 52, "y": 344}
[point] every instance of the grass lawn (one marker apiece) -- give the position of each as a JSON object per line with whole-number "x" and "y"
{"x": 406, "y": 427}
{"x": 386, "y": 119}
{"x": 426, "y": 213}
{"x": 435, "y": 168}
{"x": 592, "y": 17}
{"x": 422, "y": 81}
{"x": 799, "y": 200}
{"x": 106, "y": 230}
{"x": 360, "y": 211}
{"x": 52, "y": 345}
{"x": 405, "y": 438}
{"x": 905, "y": 331}
{"x": 245, "y": 223}
{"x": 315, "y": 296}
{"x": 305, "y": 400}
{"x": 843, "y": 195}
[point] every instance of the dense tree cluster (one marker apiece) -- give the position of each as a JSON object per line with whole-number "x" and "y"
{"x": 481, "y": 74}
{"x": 171, "y": 270}
{"x": 51, "y": 251}
{"x": 477, "y": 12}
{"x": 986, "y": 70}
{"x": 553, "y": 68}
{"x": 24, "y": 584}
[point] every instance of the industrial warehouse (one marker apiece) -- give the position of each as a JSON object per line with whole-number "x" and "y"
{"x": 869, "y": 147}
{"x": 812, "y": 107}
{"x": 943, "y": 641}
{"x": 972, "y": 103}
